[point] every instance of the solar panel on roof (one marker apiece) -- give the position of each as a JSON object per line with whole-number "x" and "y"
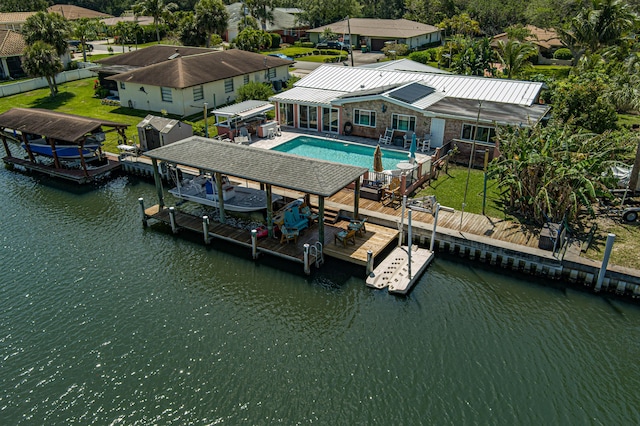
{"x": 412, "y": 92}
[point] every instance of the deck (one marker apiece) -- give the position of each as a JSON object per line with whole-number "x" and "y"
{"x": 75, "y": 175}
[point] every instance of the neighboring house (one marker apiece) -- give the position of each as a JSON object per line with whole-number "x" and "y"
{"x": 181, "y": 85}
{"x": 285, "y": 22}
{"x": 14, "y": 20}
{"x": 140, "y": 20}
{"x": 71, "y": 12}
{"x": 445, "y": 107}
{"x": 547, "y": 42}
{"x": 11, "y": 47}
{"x": 373, "y": 33}
{"x": 154, "y": 132}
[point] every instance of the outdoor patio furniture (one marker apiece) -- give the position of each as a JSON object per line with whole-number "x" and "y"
{"x": 358, "y": 225}
{"x": 311, "y": 216}
{"x": 391, "y": 193}
{"x": 345, "y": 236}
{"x": 294, "y": 220}
{"x": 425, "y": 143}
{"x": 288, "y": 235}
{"x": 407, "y": 139}
{"x": 387, "y": 137}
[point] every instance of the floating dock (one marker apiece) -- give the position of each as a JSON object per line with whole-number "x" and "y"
{"x": 393, "y": 271}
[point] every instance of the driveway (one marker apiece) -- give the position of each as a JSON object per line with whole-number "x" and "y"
{"x": 303, "y": 68}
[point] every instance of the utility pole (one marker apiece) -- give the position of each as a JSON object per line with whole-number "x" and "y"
{"x": 473, "y": 153}
{"x": 350, "y": 44}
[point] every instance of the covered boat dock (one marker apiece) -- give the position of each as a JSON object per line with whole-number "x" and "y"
{"x": 272, "y": 170}
{"x": 58, "y": 130}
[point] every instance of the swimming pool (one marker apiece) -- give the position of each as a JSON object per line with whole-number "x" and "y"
{"x": 340, "y": 152}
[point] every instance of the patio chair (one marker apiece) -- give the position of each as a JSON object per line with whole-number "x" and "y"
{"x": 387, "y": 138}
{"x": 345, "y": 236}
{"x": 358, "y": 225}
{"x": 425, "y": 143}
{"x": 245, "y": 133}
{"x": 407, "y": 139}
{"x": 288, "y": 235}
{"x": 391, "y": 193}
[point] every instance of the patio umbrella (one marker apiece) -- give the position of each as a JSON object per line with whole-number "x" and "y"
{"x": 377, "y": 160}
{"x": 412, "y": 149}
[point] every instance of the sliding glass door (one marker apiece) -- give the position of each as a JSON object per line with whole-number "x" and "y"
{"x": 330, "y": 120}
{"x": 308, "y": 117}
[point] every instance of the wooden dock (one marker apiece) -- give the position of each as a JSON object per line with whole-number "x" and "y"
{"x": 376, "y": 238}
{"x": 74, "y": 175}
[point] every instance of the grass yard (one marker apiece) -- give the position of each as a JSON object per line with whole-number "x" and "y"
{"x": 449, "y": 190}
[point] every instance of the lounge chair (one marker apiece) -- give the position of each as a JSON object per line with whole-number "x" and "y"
{"x": 387, "y": 138}
{"x": 245, "y": 133}
{"x": 294, "y": 220}
{"x": 288, "y": 235}
{"x": 391, "y": 193}
{"x": 242, "y": 140}
{"x": 345, "y": 236}
{"x": 358, "y": 225}
{"x": 425, "y": 143}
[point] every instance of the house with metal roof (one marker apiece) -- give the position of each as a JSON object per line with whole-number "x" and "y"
{"x": 373, "y": 33}
{"x": 181, "y": 84}
{"x": 438, "y": 107}
{"x": 12, "y": 45}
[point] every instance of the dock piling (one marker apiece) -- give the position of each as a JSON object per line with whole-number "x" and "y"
{"x": 307, "y": 267}
{"x": 605, "y": 261}
{"x": 254, "y": 244}
{"x": 143, "y": 216}
{"x": 435, "y": 224}
{"x": 172, "y": 219}
{"x": 205, "y": 229}
{"x": 369, "y": 262}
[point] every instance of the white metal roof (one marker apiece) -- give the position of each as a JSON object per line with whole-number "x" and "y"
{"x": 348, "y": 79}
{"x": 404, "y": 65}
{"x": 244, "y": 109}
{"x": 304, "y": 95}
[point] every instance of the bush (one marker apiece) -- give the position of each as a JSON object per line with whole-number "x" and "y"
{"x": 562, "y": 53}
{"x": 275, "y": 40}
{"x": 422, "y": 57}
{"x": 400, "y": 49}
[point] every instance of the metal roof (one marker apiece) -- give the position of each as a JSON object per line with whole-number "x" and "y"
{"x": 244, "y": 109}
{"x": 304, "y": 95}
{"x": 161, "y": 124}
{"x": 404, "y": 65}
{"x": 350, "y": 79}
{"x": 308, "y": 175}
{"x": 490, "y": 112}
{"x": 63, "y": 127}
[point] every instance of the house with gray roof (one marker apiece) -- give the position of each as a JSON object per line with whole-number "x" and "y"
{"x": 439, "y": 107}
{"x": 180, "y": 83}
{"x": 373, "y": 33}
{"x": 285, "y": 22}
{"x": 12, "y": 45}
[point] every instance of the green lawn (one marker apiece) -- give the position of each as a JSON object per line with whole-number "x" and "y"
{"x": 449, "y": 190}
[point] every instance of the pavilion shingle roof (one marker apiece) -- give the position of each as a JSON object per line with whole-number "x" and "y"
{"x": 193, "y": 70}
{"x": 11, "y": 43}
{"x": 64, "y": 127}
{"x": 317, "y": 177}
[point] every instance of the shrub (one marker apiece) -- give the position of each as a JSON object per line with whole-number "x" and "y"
{"x": 275, "y": 40}
{"x": 562, "y": 53}
{"x": 422, "y": 57}
{"x": 399, "y": 49}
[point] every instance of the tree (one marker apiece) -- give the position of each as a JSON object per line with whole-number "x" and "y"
{"x": 126, "y": 32}
{"x": 262, "y": 10}
{"x": 253, "y": 40}
{"x": 255, "y": 90}
{"x": 550, "y": 173}
{"x": 51, "y": 28}
{"x": 248, "y": 22}
{"x": 474, "y": 57}
{"x": 514, "y": 55}
{"x": 212, "y": 17}
{"x": 461, "y": 24}
{"x": 41, "y": 60}
{"x": 157, "y": 9}
{"x": 190, "y": 33}
{"x": 85, "y": 29}
{"x": 317, "y": 13}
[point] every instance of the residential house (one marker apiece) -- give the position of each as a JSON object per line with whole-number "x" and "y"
{"x": 154, "y": 132}
{"x": 443, "y": 108}
{"x": 14, "y": 20}
{"x": 12, "y": 45}
{"x": 72, "y": 12}
{"x": 546, "y": 40}
{"x": 154, "y": 80}
{"x": 285, "y": 22}
{"x": 373, "y": 33}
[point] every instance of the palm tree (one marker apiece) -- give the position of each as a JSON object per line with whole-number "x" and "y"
{"x": 262, "y": 10}
{"x": 157, "y": 9}
{"x": 85, "y": 29}
{"x": 51, "y": 28}
{"x": 41, "y": 60}
{"x": 514, "y": 56}
{"x": 211, "y": 17}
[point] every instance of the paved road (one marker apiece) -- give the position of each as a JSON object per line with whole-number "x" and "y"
{"x": 303, "y": 68}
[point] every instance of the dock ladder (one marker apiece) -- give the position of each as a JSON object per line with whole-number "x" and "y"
{"x": 313, "y": 253}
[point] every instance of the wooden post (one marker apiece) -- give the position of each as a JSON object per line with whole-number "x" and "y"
{"x": 82, "y": 160}
{"x": 307, "y": 267}
{"x": 172, "y": 220}
{"x": 218, "y": 177}
{"x": 321, "y": 219}
{"x": 158, "y": 181}
{"x": 369, "y": 262}
{"x": 205, "y": 229}
{"x": 605, "y": 261}
{"x": 28, "y": 148}
{"x": 4, "y": 143}
{"x": 356, "y": 199}
{"x": 143, "y": 215}
{"x": 435, "y": 224}
{"x": 269, "y": 211}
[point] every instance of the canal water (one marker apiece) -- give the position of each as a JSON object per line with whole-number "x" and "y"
{"x": 104, "y": 322}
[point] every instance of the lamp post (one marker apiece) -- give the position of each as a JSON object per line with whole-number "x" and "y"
{"x": 473, "y": 151}
{"x": 206, "y": 124}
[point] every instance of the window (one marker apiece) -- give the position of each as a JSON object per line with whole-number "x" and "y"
{"x": 484, "y": 134}
{"x": 166, "y": 94}
{"x": 122, "y": 85}
{"x": 403, "y": 122}
{"x": 198, "y": 93}
{"x": 246, "y": 79}
{"x": 363, "y": 117}
{"x": 272, "y": 73}
{"x": 228, "y": 86}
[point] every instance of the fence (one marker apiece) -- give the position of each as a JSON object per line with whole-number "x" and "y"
{"x": 40, "y": 82}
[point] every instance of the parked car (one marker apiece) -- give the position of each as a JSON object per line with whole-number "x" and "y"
{"x": 281, "y": 56}
{"x": 76, "y": 46}
{"x": 338, "y": 45}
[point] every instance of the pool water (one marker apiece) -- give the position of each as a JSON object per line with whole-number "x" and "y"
{"x": 340, "y": 152}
